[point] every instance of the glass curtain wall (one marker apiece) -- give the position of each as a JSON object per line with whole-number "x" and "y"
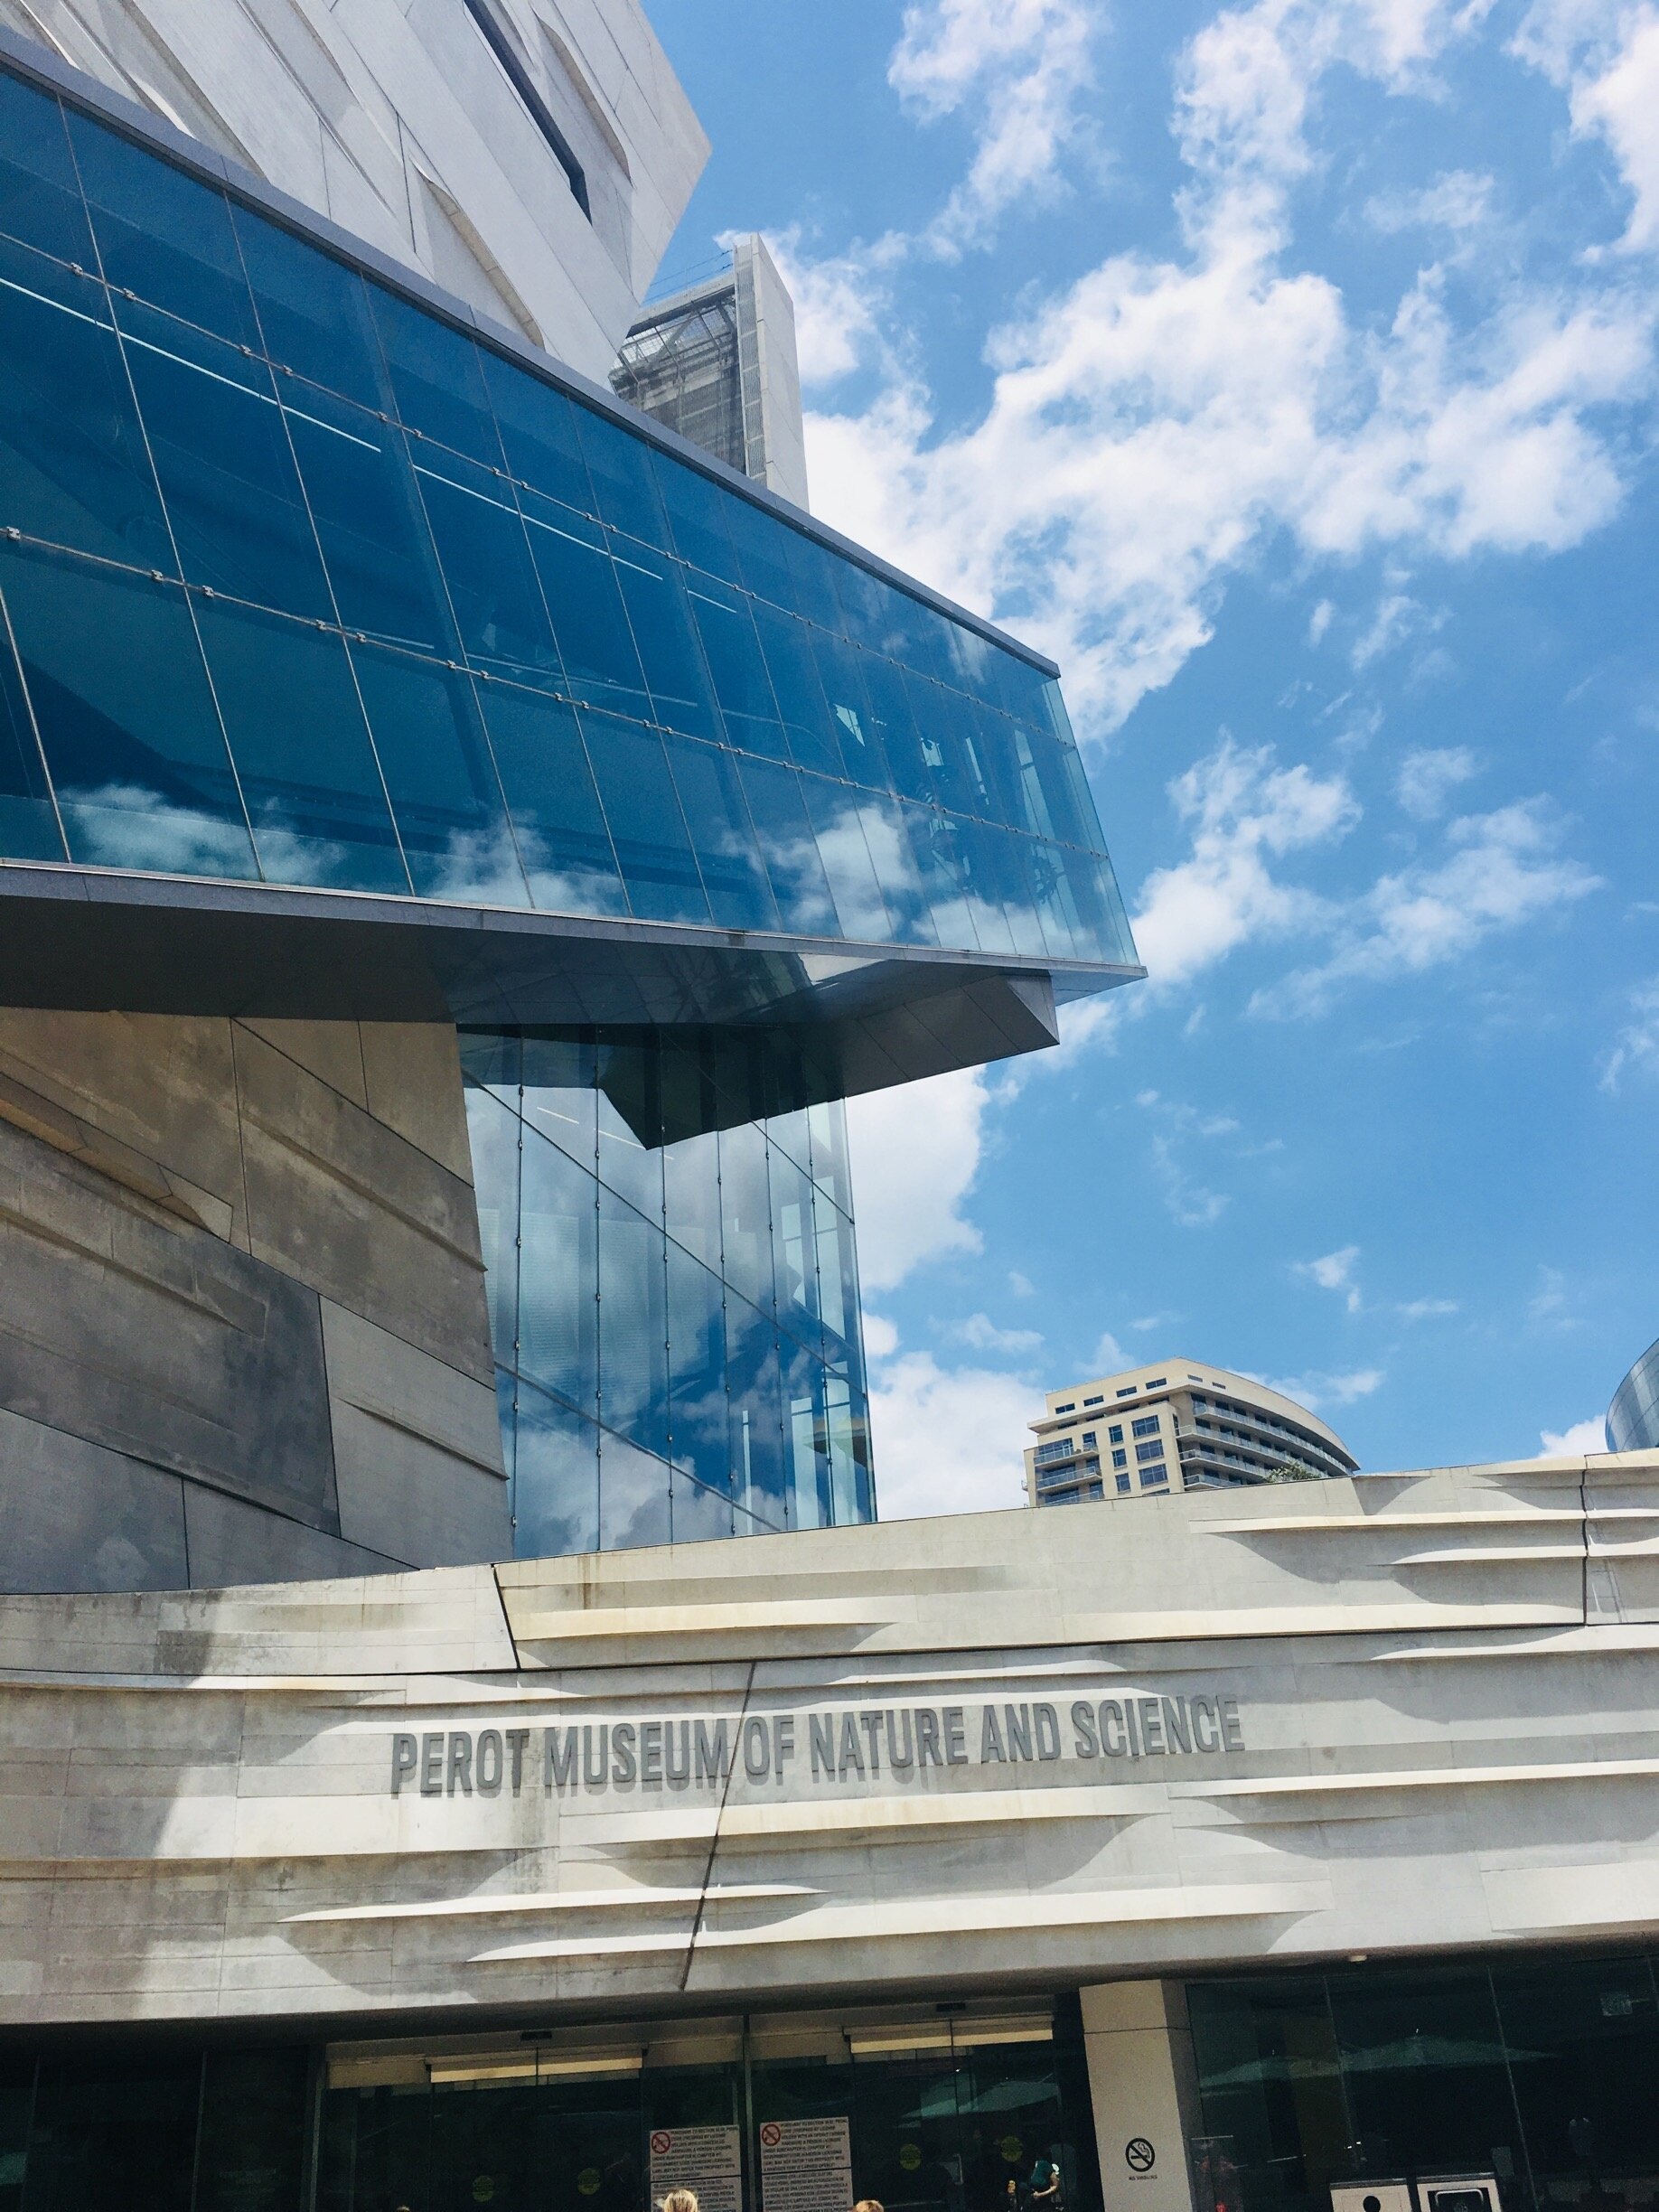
{"x": 937, "y": 2133}
{"x": 1539, "y": 2071}
{"x": 675, "y": 1316}
{"x": 301, "y": 583}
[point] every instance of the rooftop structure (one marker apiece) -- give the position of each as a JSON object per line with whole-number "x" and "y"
{"x": 1173, "y": 1425}
{"x": 716, "y": 361}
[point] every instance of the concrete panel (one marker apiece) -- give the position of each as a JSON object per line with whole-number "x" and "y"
{"x": 413, "y": 1075}
{"x": 338, "y": 1199}
{"x": 232, "y": 1542}
{"x": 76, "y": 1517}
{"x": 418, "y": 1449}
{"x": 120, "y": 1324}
{"x": 162, "y": 1085}
{"x": 331, "y": 1051}
{"x": 1143, "y": 2085}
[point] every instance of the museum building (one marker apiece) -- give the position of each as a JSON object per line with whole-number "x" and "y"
{"x": 463, "y": 1740}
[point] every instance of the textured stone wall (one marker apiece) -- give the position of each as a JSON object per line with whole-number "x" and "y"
{"x": 243, "y": 1334}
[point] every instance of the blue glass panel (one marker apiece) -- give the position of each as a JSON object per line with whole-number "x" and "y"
{"x": 559, "y": 1074}
{"x": 445, "y": 794}
{"x": 882, "y": 818}
{"x": 1097, "y": 918}
{"x": 578, "y": 583}
{"x": 998, "y": 758}
{"x": 893, "y": 725}
{"x": 1020, "y": 900}
{"x": 308, "y": 773}
{"x": 940, "y": 873}
{"x": 1056, "y": 910}
{"x": 537, "y": 431}
{"x": 562, "y": 839}
{"x": 668, "y": 642}
{"x": 620, "y": 468}
{"x": 635, "y": 1488}
{"x": 947, "y": 725}
{"x": 370, "y": 524}
{"x": 811, "y": 1504}
{"x": 556, "y": 1479}
{"x": 125, "y": 720}
{"x": 836, "y": 814}
{"x": 754, "y": 1377}
{"x": 74, "y": 468}
{"x": 813, "y": 731}
{"x": 691, "y": 1168}
{"x": 696, "y": 516}
{"x": 647, "y": 826}
{"x": 1068, "y": 807}
{"x": 629, "y": 1124}
{"x": 632, "y": 1324}
{"x": 704, "y": 1517}
{"x": 745, "y": 1215}
{"x": 794, "y": 1257}
{"x": 39, "y": 194}
{"x": 740, "y": 681}
{"x": 706, "y": 777}
{"x": 813, "y": 567}
{"x": 486, "y": 564}
{"x": 162, "y": 235}
{"x": 28, "y": 824}
{"x": 558, "y": 1274}
{"x": 762, "y": 543}
{"x": 314, "y": 312}
{"x": 435, "y": 378}
{"x": 849, "y": 1480}
{"x": 698, "y": 1438}
{"x": 981, "y": 860}
{"x": 228, "y": 478}
{"x": 840, "y": 674}
{"x": 789, "y": 848}
{"x": 876, "y": 613}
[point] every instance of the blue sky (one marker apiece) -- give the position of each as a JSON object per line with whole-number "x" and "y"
{"x": 1288, "y": 371}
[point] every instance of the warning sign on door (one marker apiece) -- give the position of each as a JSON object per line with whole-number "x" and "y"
{"x": 806, "y": 2165}
{"x": 708, "y": 2159}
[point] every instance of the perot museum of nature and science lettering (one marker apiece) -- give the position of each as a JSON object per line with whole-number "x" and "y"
{"x": 466, "y": 1738}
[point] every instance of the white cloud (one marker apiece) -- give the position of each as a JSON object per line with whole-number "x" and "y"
{"x": 1426, "y": 1308}
{"x": 1334, "y": 1271}
{"x": 1619, "y": 105}
{"x": 1397, "y": 617}
{"x": 1021, "y": 1285}
{"x": 981, "y": 1333}
{"x": 948, "y": 1440}
{"x": 1243, "y": 810}
{"x": 1022, "y": 67}
{"x": 1319, "y": 621}
{"x": 1637, "y": 1052}
{"x": 1110, "y": 1357}
{"x": 914, "y": 1153}
{"x": 1428, "y": 776}
{"x": 1457, "y": 200}
{"x": 1502, "y": 872}
{"x": 881, "y": 1336}
{"x": 1191, "y": 1203}
{"x": 1154, "y": 422}
{"x": 1318, "y": 1390}
{"x": 1573, "y": 1441}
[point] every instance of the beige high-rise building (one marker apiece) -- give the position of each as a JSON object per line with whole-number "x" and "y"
{"x": 1174, "y": 1425}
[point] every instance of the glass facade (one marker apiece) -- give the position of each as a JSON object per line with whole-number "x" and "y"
{"x": 178, "y": 2128}
{"x": 1633, "y": 1418}
{"x": 1539, "y": 2070}
{"x": 674, "y": 1308}
{"x": 300, "y": 583}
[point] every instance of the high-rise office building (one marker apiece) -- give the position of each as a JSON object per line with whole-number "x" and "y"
{"x": 459, "y": 844}
{"x": 716, "y": 361}
{"x": 1171, "y": 1426}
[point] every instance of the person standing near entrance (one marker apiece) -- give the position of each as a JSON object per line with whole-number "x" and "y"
{"x": 1044, "y": 2192}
